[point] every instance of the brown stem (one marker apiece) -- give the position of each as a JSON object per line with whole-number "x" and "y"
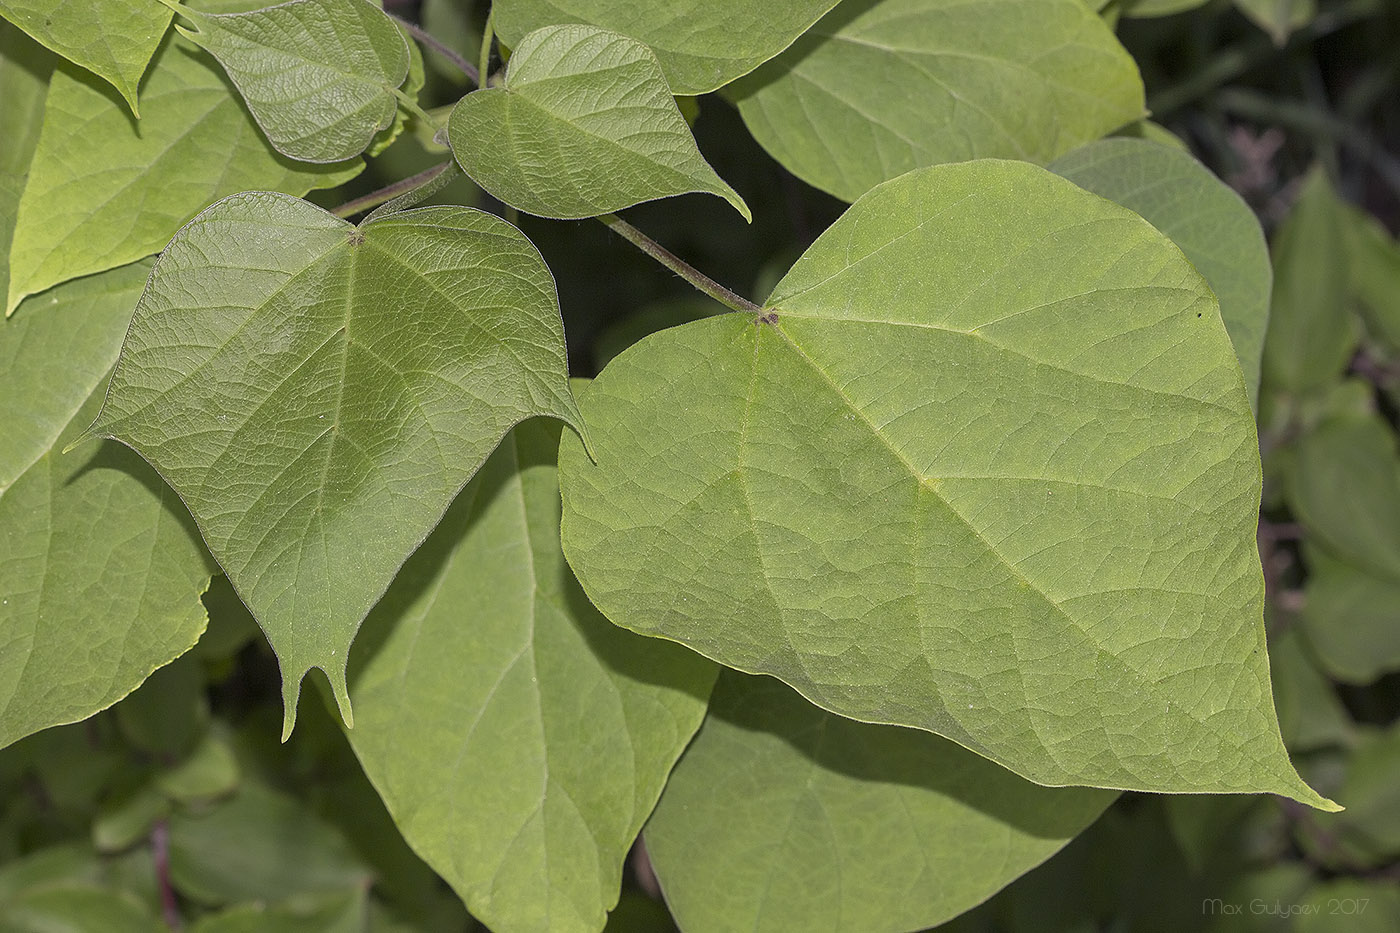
{"x": 677, "y": 265}
{"x": 160, "y": 851}
{"x": 440, "y": 47}
{"x": 389, "y": 192}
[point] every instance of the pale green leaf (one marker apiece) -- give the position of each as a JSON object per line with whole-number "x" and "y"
{"x": 1279, "y": 18}
{"x": 583, "y": 125}
{"x": 781, "y": 816}
{"x": 412, "y": 87}
{"x": 1375, "y": 276}
{"x": 114, "y": 39}
{"x": 105, "y": 192}
{"x": 100, "y": 569}
{"x": 25, "y": 68}
{"x": 1345, "y": 489}
{"x": 1212, "y": 224}
{"x": 701, "y": 44}
{"x": 127, "y": 819}
{"x": 76, "y": 908}
{"x": 986, "y": 467}
{"x": 320, "y": 76}
{"x": 518, "y": 739}
{"x": 1310, "y": 715}
{"x": 1149, "y": 8}
{"x": 260, "y": 844}
{"x": 1352, "y": 619}
{"x": 880, "y": 87}
{"x": 1311, "y": 331}
{"x": 339, "y": 912}
{"x": 318, "y": 392}
{"x": 209, "y": 771}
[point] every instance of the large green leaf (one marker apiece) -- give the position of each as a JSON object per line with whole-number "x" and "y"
{"x": 1212, "y": 224}
{"x": 1345, "y": 488}
{"x": 519, "y": 739}
{"x": 880, "y": 87}
{"x": 318, "y": 392}
{"x": 114, "y": 39}
{"x": 320, "y": 76}
{"x": 1311, "y": 331}
{"x": 1352, "y": 619}
{"x": 701, "y": 44}
{"x": 100, "y": 569}
{"x": 986, "y": 467}
{"x": 781, "y": 816}
{"x": 75, "y": 908}
{"x": 1375, "y": 276}
{"x": 104, "y": 192}
{"x": 341, "y": 912}
{"x": 584, "y": 125}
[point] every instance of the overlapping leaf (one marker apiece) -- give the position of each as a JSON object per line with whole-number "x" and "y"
{"x": 1279, "y": 18}
{"x": 985, "y": 467}
{"x": 1311, "y": 330}
{"x": 319, "y": 392}
{"x": 1212, "y": 224}
{"x": 879, "y": 87}
{"x": 701, "y": 44}
{"x": 584, "y": 125}
{"x": 519, "y": 739}
{"x": 781, "y": 816}
{"x": 100, "y": 569}
{"x": 105, "y": 192}
{"x": 114, "y": 39}
{"x": 319, "y": 76}
{"x": 24, "y": 75}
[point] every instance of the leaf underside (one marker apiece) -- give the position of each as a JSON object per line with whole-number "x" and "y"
{"x": 781, "y": 816}
{"x": 701, "y": 44}
{"x": 584, "y": 125}
{"x": 986, "y": 467}
{"x": 879, "y": 87}
{"x": 318, "y": 75}
{"x": 519, "y": 739}
{"x": 317, "y": 393}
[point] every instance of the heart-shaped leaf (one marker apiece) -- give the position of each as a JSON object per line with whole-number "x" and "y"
{"x": 519, "y": 740}
{"x": 986, "y": 467}
{"x": 114, "y": 39}
{"x": 584, "y": 125}
{"x": 100, "y": 568}
{"x": 321, "y": 77}
{"x": 319, "y": 392}
{"x": 1212, "y": 224}
{"x": 701, "y": 45}
{"x": 782, "y": 816}
{"x": 879, "y": 87}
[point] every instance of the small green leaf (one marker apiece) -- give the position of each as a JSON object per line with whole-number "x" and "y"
{"x": 100, "y": 567}
{"x": 168, "y": 716}
{"x": 1345, "y": 488}
{"x": 781, "y": 816}
{"x": 1212, "y": 224}
{"x": 104, "y": 192}
{"x": 583, "y": 125}
{"x": 318, "y": 392}
{"x": 1352, "y": 619}
{"x": 1367, "y": 834}
{"x": 259, "y": 844}
{"x": 1311, "y": 330}
{"x": 114, "y": 39}
{"x": 75, "y": 908}
{"x": 1375, "y": 276}
{"x": 1279, "y": 18}
{"x": 701, "y": 46}
{"x": 1142, "y": 9}
{"x": 321, "y": 77}
{"x": 209, "y": 771}
{"x": 338, "y": 912}
{"x": 127, "y": 819}
{"x": 985, "y": 467}
{"x": 519, "y": 739}
{"x": 880, "y": 87}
